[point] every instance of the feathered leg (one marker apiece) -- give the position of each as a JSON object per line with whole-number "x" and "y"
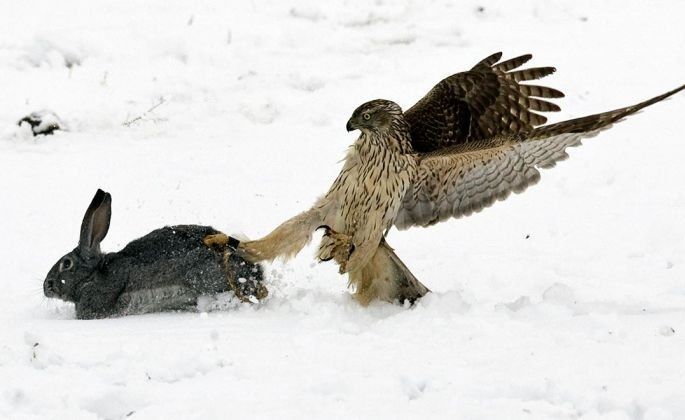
{"x": 285, "y": 241}
{"x": 385, "y": 277}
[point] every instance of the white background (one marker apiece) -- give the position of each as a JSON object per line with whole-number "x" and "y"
{"x": 584, "y": 319}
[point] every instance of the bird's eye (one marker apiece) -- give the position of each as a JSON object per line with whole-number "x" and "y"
{"x": 66, "y": 264}
{"x": 366, "y": 116}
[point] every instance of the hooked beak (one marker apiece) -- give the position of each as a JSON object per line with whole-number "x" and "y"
{"x": 350, "y": 126}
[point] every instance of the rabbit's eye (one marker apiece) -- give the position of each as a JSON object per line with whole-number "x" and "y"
{"x": 66, "y": 264}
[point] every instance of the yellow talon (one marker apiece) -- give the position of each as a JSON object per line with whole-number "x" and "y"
{"x": 218, "y": 240}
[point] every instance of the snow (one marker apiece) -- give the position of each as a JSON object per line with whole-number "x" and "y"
{"x": 564, "y": 302}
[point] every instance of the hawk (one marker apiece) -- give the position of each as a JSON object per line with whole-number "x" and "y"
{"x": 475, "y": 138}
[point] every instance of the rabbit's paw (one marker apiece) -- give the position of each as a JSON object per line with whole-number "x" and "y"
{"x": 248, "y": 290}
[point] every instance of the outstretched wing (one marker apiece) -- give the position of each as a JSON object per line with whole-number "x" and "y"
{"x": 481, "y": 103}
{"x": 466, "y": 178}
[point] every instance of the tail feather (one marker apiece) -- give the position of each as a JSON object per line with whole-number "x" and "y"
{"x": 597, "y": 121}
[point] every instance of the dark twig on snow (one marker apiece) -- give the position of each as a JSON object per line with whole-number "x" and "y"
{"x": 143, "y": 116}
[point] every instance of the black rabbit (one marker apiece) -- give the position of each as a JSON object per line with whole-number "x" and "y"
{"x": 167, "y": 269}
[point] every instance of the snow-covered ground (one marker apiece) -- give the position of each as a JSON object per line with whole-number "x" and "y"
{"x": 565, "y": 302}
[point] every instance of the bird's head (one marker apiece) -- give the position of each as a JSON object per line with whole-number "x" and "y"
{"x": 375, "y": 115}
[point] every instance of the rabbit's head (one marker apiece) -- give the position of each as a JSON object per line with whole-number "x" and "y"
{"x": 79, "y": 267}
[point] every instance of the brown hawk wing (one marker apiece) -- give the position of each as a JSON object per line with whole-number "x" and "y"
{"x": 469, "y": 177}
{"x": 481, "y": 103}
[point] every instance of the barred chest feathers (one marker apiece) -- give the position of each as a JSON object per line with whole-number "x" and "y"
{"x": 371, "y": 184}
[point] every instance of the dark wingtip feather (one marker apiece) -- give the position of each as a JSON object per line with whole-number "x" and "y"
{"x": 531, "y": 73}
{"x": 490, "y": 60}
{"x": 513, "y": 63}
{"x": 541, "y": 91}
{"x": 544, "y": 106}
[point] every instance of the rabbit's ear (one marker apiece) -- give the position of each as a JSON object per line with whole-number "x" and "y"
{"x": 96, "y": 222}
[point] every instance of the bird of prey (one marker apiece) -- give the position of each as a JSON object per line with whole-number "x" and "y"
{"x": 475, "y": 138}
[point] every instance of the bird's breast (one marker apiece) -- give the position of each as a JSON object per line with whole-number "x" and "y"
{"x": 370, "y": 188}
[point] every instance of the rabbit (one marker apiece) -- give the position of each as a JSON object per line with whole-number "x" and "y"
{"x": 165, "y": 270}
